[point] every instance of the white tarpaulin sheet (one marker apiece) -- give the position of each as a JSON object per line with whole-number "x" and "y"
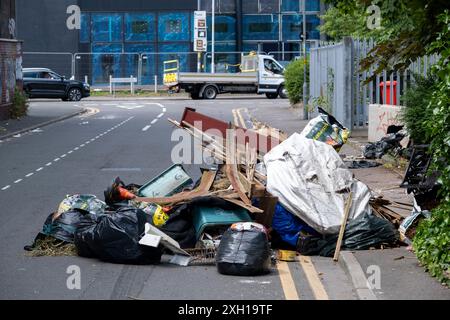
{"x": 311, "y": 181}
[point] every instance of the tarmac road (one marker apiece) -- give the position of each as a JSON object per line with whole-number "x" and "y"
{"x": 130, "y": 139}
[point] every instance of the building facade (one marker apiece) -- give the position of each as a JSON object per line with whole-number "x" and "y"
{"x": 130, "y": 37}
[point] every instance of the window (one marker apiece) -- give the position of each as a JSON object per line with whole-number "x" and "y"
{"x": 225, "y": 28}
{"x": 268, "y": 6}
{"x": 260, "y": 27}
{"x": 292, "y": 26}
{"x": 290, "y": 5}
{"x": 106, "y": 27}
{"x": 33, "y": 75}
{"x": 272, "y": 66}
{"x": 312, "y": 5}
{"x": 250, "y": 6}
{"x": 139, "y": 27}
{"x": 173, "y": 27}
{"x": 85, "y": 28}
{"x": 221, "y": 27}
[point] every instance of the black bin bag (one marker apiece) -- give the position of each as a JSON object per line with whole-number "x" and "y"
{"x": 114, "y": 237}
{"x": 244, "y": 250}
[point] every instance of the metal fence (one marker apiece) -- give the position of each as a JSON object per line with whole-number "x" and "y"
{"x": 336, "y": 83}
{"x": 96, "y": 68}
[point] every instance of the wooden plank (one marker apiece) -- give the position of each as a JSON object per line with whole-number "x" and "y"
{"x": 343, "y": 225}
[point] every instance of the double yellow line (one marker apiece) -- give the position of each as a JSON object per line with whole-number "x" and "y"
{"x": 288, "y": 284}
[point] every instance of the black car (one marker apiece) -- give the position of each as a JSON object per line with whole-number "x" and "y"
{"x": 44, "y": 83}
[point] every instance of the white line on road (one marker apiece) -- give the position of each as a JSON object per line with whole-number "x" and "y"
{"x": 65, "y": 154}
{"x": 160, "y": 115}
{"x": 154, "y": 121}
{"x": 146, "y": 128}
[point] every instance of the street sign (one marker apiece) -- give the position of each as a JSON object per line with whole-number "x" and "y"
{"x": 200, "y": 34}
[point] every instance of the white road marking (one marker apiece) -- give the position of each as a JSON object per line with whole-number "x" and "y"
{"x": 146, "y": 128}
{"x": 160, "y": 115}
{"x": 154, "y": 121}
{"x": 71, "y": 151}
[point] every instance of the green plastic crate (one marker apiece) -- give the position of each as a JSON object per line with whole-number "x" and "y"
{"x": 169, "y": 182}
{"x": 205, "y": 217}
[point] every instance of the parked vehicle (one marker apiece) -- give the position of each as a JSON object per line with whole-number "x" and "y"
{"x": 45, "y": 83}
{"x": 260, "y": 74}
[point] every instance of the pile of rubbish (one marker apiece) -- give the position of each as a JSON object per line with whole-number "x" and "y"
{"x": 293, "y": 193}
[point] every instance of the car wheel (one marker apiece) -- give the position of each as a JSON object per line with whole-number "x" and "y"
{"x": 282, "y": 92}
{"x": 210, "y": 93}
{"x": 74, "y": 94}
{"x": 272, "y": 95}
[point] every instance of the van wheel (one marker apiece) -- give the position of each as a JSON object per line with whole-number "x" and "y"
{"x": 282, "y": 91}
{"x": 74, "y": 94}
{"x": 210, "y": 93}
{"x": 272, "y": 95}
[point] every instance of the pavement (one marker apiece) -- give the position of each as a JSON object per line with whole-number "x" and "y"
{"x": 132, "y": 139}
{"x": 39, "y": 114}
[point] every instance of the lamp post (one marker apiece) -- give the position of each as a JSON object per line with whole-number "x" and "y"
{"x": 305, "y": 98}
{"x": 212, "y": 36}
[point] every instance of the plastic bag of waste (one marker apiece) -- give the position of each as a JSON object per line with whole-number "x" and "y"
{"x": 63, "y": 227}
{"x": 327, "y": 129}
{"x": 361, "y": 233}
{"x": 86, "y": 202}
{"x": 376, "y": 150}
{"x": 114, "y": 237}
{"x": 244, "y": 250}
{"x": 289, "y": 226}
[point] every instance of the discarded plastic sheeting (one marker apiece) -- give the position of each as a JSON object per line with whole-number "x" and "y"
{"x": 311, "y": 181}
{"x": 362, "y": 233}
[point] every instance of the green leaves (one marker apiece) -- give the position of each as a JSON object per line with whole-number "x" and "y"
{"x": 294, "y": 80}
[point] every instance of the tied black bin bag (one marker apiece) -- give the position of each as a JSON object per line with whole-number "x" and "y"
{"x": 244, "y": 250}
{"x": 114, "y": 237}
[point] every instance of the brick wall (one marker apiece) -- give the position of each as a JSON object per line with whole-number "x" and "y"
{"x": 10, "y": 73}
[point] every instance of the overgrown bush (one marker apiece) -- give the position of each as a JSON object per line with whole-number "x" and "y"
{"x": 19, "y": 106}
{"x": 432, "y": 241}
{"x": 294, "y": 80}
{"x": 417, "y": 112}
